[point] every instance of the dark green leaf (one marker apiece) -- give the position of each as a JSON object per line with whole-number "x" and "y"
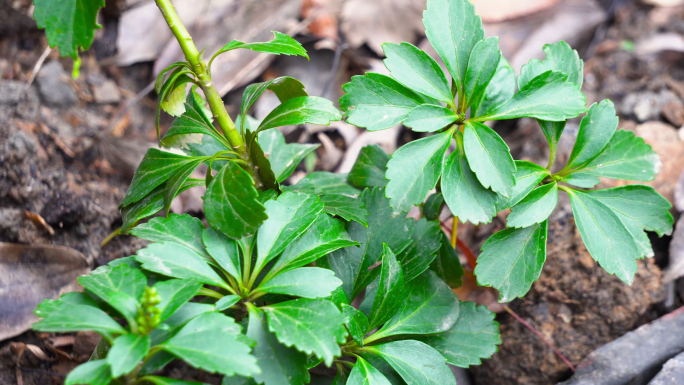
{"x": 176, "y": 182}
{"x": 473, "y": 337}
{"x": 313, "y": 326}
{"x": 365, "y": 374}
{"x": 595, "y": 131}
{"x": 500, "y": 89}
{"x": 192, "y": 121}
{"x": 430, "y": 118}
{"x": 284, "y": 87}
{"x": 121, "y": 287}
{"x": 453, "y": 29}
{"x": 512, "y": 260}
{"x": 447, "y": 264}
{"x": 414, "y": 170}
{"x": 416, "y": 258}
{"x": 224, "y": 251}
{"x": 552, "y": 131}
{"x": 377, "y": 102}
{"x": 390, "y": 294}
{"x": 212, "y": 342}
{"x": 307, "y": 282}
{"x": 231, "y": 204}
{"x": 489, "y": 157}
{"x": 416, "y": 362}
{"x": 527, "y": 177}
{"x": 174, "y": 293}
{"x": 349, "y": 208}
{"x": 357, "y": 323}
{"x": 73, "y": 317}
{"x": 283, "y": 157}
{"x": 300, "y": 110}
{"x": 226, "y": 302}
{"x": 535, "y": 208}
{"x": 466, "y": 197}
{"x": 433, "y": 206}
{"x": 581, "y": 179}
{"x": 92, "y": 372}
{"x": 182, "y": 229}
{"x": 417, "y": 70}
{"x": 262, "y": 166}
{"x": 69, "y": 24}
{"x": 177, "y": 261}
{"x": 126, "y": 353}
{"x": 322, "y": 182}
{"x": 169, "y": 381}
{"x": 482, "y": 64}
{"x": 369, "y": 169}
{"x": 279, "y": 364}
{"x": 281, "y": 44}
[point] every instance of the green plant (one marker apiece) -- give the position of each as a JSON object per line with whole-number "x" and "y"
{"x": 274, "y": 276}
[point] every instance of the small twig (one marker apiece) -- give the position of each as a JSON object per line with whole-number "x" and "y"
{"x": 37, "y": 66}
{"x": 541, "y": 337}
{"x": 373, "y": 266}
{"x": 66, "y": 150}
{"x": 470, "y": 256}
{"x": 39, "y": 221}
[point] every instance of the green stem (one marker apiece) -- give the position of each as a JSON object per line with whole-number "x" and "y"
{"x": 552, "y": 156}
{"x": 210, "y": 293}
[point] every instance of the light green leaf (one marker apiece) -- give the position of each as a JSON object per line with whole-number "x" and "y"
{"x": 416, "y": 362}
{"x": 224, "y": 251}
{"x": 473, "y": 337}
{"x": 560, "y": 57}
{"x": 212, "y": 342}
{"x": 172, "y": 99}
{"x": 307, "y": 282}
{"x": 489, "y": 157}
{"x": 416, "y": 258}
{"x": 69, "y": 24}
{"x": 466, "y": 197}
{"x": 369, "y": 168}
{"x": 73, "y": 317}
{"x": 453, "y": 29}
{"x": 430, "y": 118}
{"x": 49, "y": 306}
{"x": 121, "y": 287}
{"x": 364, "y": 373}
{"x": 226, "y": 302}
{"x": 192, "y": 121}
{"x": 345, "y": 206}
{"x": 281, "y": 44}
{"x": 300, "y": 110}
{"x": 625, "y": 157}
{"x": 595, "y": 131}
{"x": 322, "y": 182}
{"x": 313, "y": 326}
{"x": 283, "y": 157}
{"x": 415, "y": 69}
{"x": 174, "y": 293}
{"x": 177, "y": 261}
{"x": 512, "y": 259}
{"x": 447, "y": 264}
{"x": 414, "y": 170}
{"x": 92, "y": 372}
{"x": 390, "y": 292}
{"x": 581, "y": 179}
{"x": 607, "y": 239}
{"x": 126, "y": 353}
{"x": 547, "y": 97}
{"x": 482, "y": 64}
{"x": 183, "y": 229}
{"x": 169, "y": 381}
{"x": 231, "y": 203}
{"x": 288, "y": 218}
{"x": 527, "y": 177}
{"x": 377, "y": 102}
{"x": 500, "y": 89}
{"x": 357, "y": 323}
{"x": 535, "y": 208}
{"x": 284, "y": 87}
{"x": 429, "y": 307}
{"x": 279, "y": 364}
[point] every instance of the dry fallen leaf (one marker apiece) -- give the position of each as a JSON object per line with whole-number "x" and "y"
{"x": 676, "y": 267}
{"x": 30, "y": 274}
{"x": 499, "y": 10}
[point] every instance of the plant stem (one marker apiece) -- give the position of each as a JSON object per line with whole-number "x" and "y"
{"x": 210, "y": 293}
{"x": 454, "y": 231}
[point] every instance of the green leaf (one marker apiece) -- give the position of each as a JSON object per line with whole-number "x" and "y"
{"x": 324, "y": 236}
{"x": 156, "y": 167}
{"x": 322, "y": 182}
{"x": 447, "y": 264}
{"x": 552, "y": 131}
{"x": 183, "y": 229}
{"x": 365, "y": 374}
{"x": 262, "y": 166}
{"x": 226, "y": 302}
{"x": 527, "y": 177}
{"x": 92, "y": 372}
{"x": 581, "y": 179}
{"x": 547, "y": 97}
{"x": 432, "y": 207}
{"x": 224, "y": 251}
{"x": 49, "y": 306}
{"x": 313, "y": 326}
{"x": 473, "y": 337}
{"x": 512, "y": 259}
{"x": 377, "y": 102}
{"x": 625, "y": 157}
{"x": 172, "y": 99}
{"x": 284, "y": 87}
{"x": 416, "y": 362}
{"x": 69, "y": 25}
{"x": 489, "y": 157}
{"x": 607, "y": 239}
{"x": 192, "y": 121}
{"x": 482, "y": 64}
{"x": 74, "y": 317}
{"x": 121, "y": 287}
{"x": 416, "y": 258}
{"x": 415, "y": 69}
{"x": 176, "y": 181}
{"x": 357, "y": 323}
{"x": 453, "y": 29}
{"x": 560, "y": 57}
{"x": 279, "y": 364}
{"x": 300, "y": 110}
{"x": 349, "y": 208}
{"x": 414, "y": 170}
{"x": 174, "y": 293}
{"x": 307, "y": 282}
{"x": 429, "y": 307}
{"x": 288, "y": 218}
{"x": 500, "y": 89}
{"x": 177, "y": 261}
{"x": 212, "y": 342}
{"x": 126, "y": 353}
{"x": 281, "y": 44}
{"x": 169, "y": 327}
{"x": 466, "y": 197}
{"x": 595, "y": 131}
{"x": 169, "y": 381}
{"x": 231, "y": 204}
{"x": 283, "y": 157}
{"x": 369, "y": 168}
{"x": 390, "y": 293}
{"x": 430, "y": 118}
{"x": 535, "y": 208}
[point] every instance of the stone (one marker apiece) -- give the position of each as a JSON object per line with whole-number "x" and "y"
{"x": 679, "y": 194}
{"x": 673, "y": 111}
{"x": 636, "y": 357}
{"x": 11, "y": 92}
{"x": 107, "y": 92}
{"x": 645, "y": 106}
{"x": 672, "y": 372}
{"x": 52, "y": 88}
